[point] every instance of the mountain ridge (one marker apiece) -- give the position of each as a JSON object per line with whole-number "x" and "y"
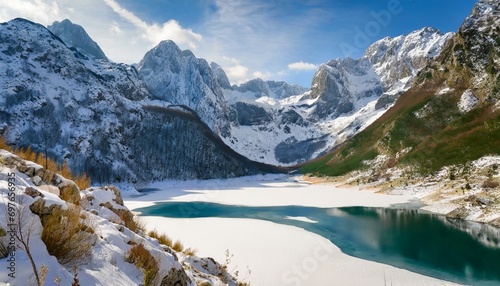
{"x": 89, "y": 113}
{"x": 346, "y": 96}
{"x": 428, "y": 127}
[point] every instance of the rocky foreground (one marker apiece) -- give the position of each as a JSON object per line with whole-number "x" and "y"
{"x": 50, "y": 230}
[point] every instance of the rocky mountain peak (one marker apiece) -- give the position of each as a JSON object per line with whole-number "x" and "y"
{"x": 387, "y": 67}
{"x": 75, "y": 36}
{"x": 403, "y": 56}
{"x": 221, "y": 75}
{"x": 275, "y": 89}
{"x": 180, "y": 78}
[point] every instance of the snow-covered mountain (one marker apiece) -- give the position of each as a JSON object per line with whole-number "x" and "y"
{"x": 388, "y": 66}
{"x": 100, "y": 116}
{"x": 75, "y": 36}
{"x": 346, "y": 96}
{"x": 274, "y": 89}
{"x": 99, "y": 106}
{"x": 442, "y": 126}
{"x": 180, "y": 78}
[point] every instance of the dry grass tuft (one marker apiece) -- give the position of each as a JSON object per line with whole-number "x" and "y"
{"x": 66, "y": 236}
{"x": 143, "y": 259}
{"x": 134, "y": 223}
{"x": 190, "y": 251}
{"x": 82, "y": 181}
{"x": 178, "y": 246}
{"x": 162, "y": 238}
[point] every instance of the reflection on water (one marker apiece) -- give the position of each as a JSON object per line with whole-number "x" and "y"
{"x": 425, "y": 243}
{"x": 454, "y": 250}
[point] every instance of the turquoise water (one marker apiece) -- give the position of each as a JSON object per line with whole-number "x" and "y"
{"x": 453, "y": 250}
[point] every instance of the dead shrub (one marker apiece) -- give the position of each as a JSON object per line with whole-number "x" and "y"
{"x": 142, "y": 258}
{"x": 190, "y": 251}
{"x": 134, "y": 223}
{"x": 82, "y": 181}
{"x": 178, "y": 246}
{"x": 162, "y": 238}
{"x": 3, "y": 145}
{"x": 66, "y": 236}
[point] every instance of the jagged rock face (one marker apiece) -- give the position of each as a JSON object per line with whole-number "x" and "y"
{"x": 221, "y": 76}
{"x": 281, "y": 89}
{"x": 256, "y": 86}
{"x": 341, "y": 86}
{"x": 274, "y": 89}
{"x": 477, "y": 44}
{"x": 180, "y": 78}
{"x": 75, "y": 36}
{"x": 250, "y": 114}
{"x": 472, "y": 57}
{"x": 292, "y": 150}
{"x": 345, "y": 97}
{"x": 292, "y": 117}
{"x": 403, "y": 56}
{"x": 91, "y": 113}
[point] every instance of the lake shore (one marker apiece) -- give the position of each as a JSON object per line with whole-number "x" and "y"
{"x": 276, "y": 254}
{"x": 472, "y": 194}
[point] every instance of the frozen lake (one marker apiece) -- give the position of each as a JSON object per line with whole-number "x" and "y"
{"x": 290, "y": 232}
{"x": 406, "y": 238}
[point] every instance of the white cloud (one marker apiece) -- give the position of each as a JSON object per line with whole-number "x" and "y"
{"x": 231, "y": 60}
{"x": 155, "y": 33}
{"x": 298, "y": 66}
{"x": 235, "y": 71}
{"x": 36, "y": 10}
{"x": 259, "y": 33}
{"x": 238, "y": 72}
{"x": 261, "y": 75}
{"x": 115, "y": 28}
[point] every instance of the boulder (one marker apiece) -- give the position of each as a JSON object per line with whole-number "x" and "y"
{"x": 484, "y": 201}
{"x": 69, "y": 192}
{"x": 38, "y": 207}
{"x": 36, "y": 180}
{"x": 118, "y": 195}
{"x": 458, "y": 213}
{"x": 175, "y": 277}
{"x": 30, "y": 171}
{"x": 32, "y": 192}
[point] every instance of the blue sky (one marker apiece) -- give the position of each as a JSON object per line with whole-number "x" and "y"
{"x": 270, "y": 39}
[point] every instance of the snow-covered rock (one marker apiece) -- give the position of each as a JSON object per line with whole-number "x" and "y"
{"x": 220, "y": 75}
{"x": 467, "y": 101}
{"x": 75, "y": 36}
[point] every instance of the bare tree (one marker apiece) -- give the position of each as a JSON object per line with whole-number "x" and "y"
{"x": 22, "y": 223}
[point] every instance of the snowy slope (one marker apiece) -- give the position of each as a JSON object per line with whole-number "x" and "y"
{"x": 345, "y": 97}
